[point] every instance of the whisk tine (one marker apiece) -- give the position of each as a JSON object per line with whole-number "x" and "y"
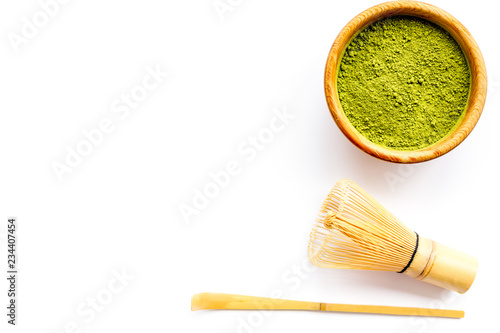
{"x": 354, "y": 231}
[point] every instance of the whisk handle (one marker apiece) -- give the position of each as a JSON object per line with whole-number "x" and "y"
{"x": 443, "y": 266}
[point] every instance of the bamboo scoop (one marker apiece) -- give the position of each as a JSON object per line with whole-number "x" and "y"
{"x": 215, "y": 301}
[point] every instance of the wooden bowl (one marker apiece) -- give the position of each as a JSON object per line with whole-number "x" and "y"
{"x": 477, "y": 67}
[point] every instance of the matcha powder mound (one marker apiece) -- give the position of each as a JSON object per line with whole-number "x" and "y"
{"x": 403, "y": 82}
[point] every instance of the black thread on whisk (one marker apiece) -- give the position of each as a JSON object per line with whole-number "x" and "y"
{"x": 412, "y": 257}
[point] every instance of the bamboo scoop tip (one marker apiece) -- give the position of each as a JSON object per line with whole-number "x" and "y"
{"x": 199, "y": 302}
{"x": 196, "y": 302}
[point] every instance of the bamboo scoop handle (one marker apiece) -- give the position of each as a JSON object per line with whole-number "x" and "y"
{"x": 215, "y": 301}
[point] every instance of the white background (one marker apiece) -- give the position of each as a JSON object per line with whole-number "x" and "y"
{"x": 119, "y": 209}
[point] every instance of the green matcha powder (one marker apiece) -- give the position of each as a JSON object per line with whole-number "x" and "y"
{"x": 403, "y": 83}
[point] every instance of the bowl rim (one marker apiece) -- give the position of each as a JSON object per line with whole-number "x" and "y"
{"x": 477, "y": 93}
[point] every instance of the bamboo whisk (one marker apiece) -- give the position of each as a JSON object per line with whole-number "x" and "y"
{"x": 354, "y": 231}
